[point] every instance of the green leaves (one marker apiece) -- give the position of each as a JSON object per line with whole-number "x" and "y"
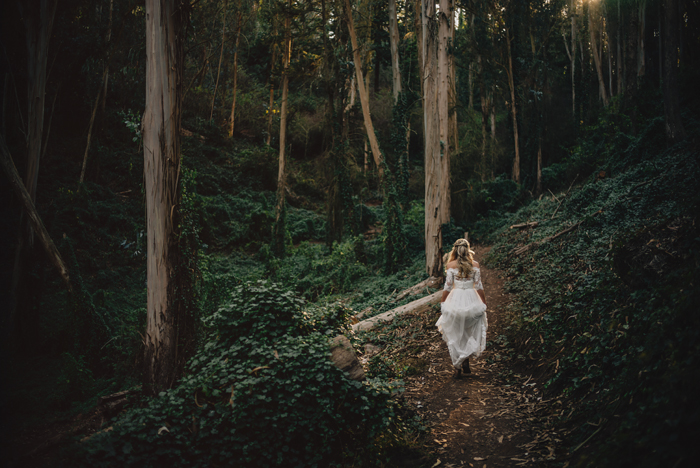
{"x": 263, "y": 379}
{"x": 605, "y": 308}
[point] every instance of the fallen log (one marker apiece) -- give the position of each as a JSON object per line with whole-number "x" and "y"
{"x": 419, "y": 305}
{"x": 16, "y": 182}
{"x": 433, "y": 282}
{"x": 344, "y": 357}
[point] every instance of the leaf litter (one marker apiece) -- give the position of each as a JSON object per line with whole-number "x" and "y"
{"x": 494, "y": 414}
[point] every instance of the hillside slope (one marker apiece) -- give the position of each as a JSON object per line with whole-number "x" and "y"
{"x": 606, "y": 290}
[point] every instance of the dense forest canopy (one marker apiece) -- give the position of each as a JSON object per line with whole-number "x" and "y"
{"x": 160, "y": 157}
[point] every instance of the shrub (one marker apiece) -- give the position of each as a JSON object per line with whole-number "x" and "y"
{"x": 613, "y": 305}
{"x": 261, "y": 392}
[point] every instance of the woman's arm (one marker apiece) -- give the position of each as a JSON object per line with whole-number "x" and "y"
{"x": 477, "y": 283}
{"x": 449, "y": 282}
{"x": 444, "y": 295}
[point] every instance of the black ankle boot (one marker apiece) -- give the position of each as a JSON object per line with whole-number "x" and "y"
{"x": 465, "y": 367}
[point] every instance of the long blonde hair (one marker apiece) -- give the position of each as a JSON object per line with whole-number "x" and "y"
{"x": 464, "y": 256}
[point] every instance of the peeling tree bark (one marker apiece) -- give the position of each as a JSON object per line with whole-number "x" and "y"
{"x": 167, "y": 323}
{"x": 445, "y": 28}
{"x": 431, "y": 132}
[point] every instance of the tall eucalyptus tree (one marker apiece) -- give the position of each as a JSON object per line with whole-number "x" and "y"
{"x": 169, "y": 323}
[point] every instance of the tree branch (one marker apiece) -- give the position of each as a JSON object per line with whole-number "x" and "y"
{"x": 16, "y": 182}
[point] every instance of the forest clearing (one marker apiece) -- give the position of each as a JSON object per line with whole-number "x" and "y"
{"x": 226, "y": 226}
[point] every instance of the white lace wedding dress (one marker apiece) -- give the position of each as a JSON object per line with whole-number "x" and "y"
{"x": 463, "y": 322}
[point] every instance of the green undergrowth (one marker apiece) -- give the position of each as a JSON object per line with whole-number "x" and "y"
{"x": 262, "y": 391}
{"x": 609, "y": 308}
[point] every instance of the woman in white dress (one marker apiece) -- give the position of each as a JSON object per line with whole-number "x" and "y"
{"x": 463, "y": 321}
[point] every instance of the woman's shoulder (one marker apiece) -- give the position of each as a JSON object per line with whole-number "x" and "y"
{"x": 476, "y": 264}
{"x": 452, "y": 265}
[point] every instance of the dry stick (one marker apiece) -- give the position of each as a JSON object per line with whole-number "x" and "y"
{"x": 590, "y": 436}
{"x": 554, "y": 196}
{"x": 48, "y": 130}
{"x": 218, "y": 70}
{"x": 525, "y": 225}
{"x": 89, "y": 135}
{"x": 562, "y": 198}
{"x": 9, "y": 168}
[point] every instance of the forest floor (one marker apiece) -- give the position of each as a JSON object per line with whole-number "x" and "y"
{"x": 494, "y": 417}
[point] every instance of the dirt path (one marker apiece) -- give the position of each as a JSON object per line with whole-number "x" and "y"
{"x": 490, "y": 418}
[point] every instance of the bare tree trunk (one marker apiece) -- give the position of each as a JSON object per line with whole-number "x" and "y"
{"x": 471, "y": 66}
{"x": 608, "y": 49}
{"x": 492, "y": 121}
{"x": 38, "y": 18}
{"x": 90, "y": 127}
{"x": 270, "y": 108}
{"x": 34, "y": 218}
{"x": 661, "y": 48}
{"x": 433, "y": 166}
{"x": 593, "y": 29}
{"x": 454, "y": 125}
{"x": 394, "y": 39}
{"x": 484, "y": 118}
{"x": 445, "y": 27}
{"x": 329, "y": 77}
{"x": 620, "y": 57}
{"x": 168, "y": 326}
{"x": 106, "y": 78}
{"x": 353, "y": 94}
{"x": 364, "y": 98}
{"x": 366, "y": 154}
{"x": 281, "y": 173}
{"x": 6, "y": 81}
{"x": 221, "y": 57}
{"x": 674, "y": 125}
{"x": 471, "y": 86}
{"x": 572, "y": 14}
{"x": 484, "y": 133}
{"x": 232, "y": 118}
{"x": 418, "y": 24}
{"x": 641, "y": 59}
{"x": 514, "y": 111}
{"x": 538, "y": 189}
